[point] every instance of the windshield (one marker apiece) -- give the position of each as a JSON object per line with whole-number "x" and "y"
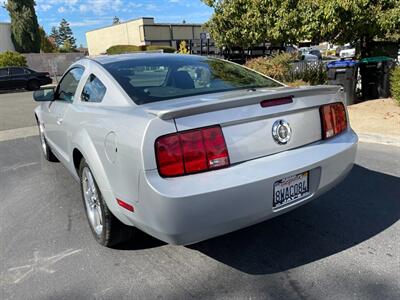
{"x": 149, "y": 79}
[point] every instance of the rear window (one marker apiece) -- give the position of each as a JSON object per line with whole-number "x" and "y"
{"x": 151, "y": 79}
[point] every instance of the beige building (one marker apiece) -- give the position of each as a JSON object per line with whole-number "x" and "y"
{"x": 142, "y": 31}
{"x": 5, "y": 37}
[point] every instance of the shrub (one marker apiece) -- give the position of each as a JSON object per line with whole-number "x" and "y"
{"x": 167, "y": 49}
{"x": 280, "y": 68}
{"x": 314, "y": 74}
{"x": 183, "y": 48}
{"x": 276, "y": 66}
{"x": 297, "y": 83}
{"x": 120, "y": 49}
{"x": 9, "y": 58}
{"x": 395, "y": 84}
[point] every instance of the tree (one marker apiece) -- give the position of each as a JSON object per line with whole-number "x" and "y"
{"x": 66, "y": 36}
{"x": 355, "y": 21}
{"x": 183, "y": 48}
{"x": 66, "y": 47}
{"x": 55, "y": 37}
{"x": 247, "y": 23}
{"x": 46, "y": 45}
{"x": 116, "y": 20}
{"x": 24, "y": 25}
{"x": 235, "y": 23}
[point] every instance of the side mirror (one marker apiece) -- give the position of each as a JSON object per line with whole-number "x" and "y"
{"x": 43, "y": 95}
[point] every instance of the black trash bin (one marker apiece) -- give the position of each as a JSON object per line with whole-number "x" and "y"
{"x": 375, "y": 77}
{"x": 344, "y": 73}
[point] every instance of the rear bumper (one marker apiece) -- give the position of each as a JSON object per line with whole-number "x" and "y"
{"x": 189, "y": 209}
{"x": 45, "y": 80}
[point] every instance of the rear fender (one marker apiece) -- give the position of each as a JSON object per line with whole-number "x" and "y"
{"x": 83, "y": 142}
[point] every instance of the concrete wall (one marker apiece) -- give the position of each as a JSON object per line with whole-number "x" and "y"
{"x": 54, "y": 63}
{"x": 5, "y": 37}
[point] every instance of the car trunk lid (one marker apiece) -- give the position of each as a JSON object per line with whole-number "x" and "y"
{"x": 246, "y": 125}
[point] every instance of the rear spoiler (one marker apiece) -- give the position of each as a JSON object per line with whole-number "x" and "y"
{"x": 204, "y": 107}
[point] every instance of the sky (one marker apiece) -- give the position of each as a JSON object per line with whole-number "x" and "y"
{"x": 85, "y": 15}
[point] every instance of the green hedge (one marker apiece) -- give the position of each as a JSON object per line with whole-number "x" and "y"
{"x": 120, "y": 49}
{"x": 166, "y": 49}
{"x": 12, "y": 59}
{"x": 395, "y": 84}
{"x": 276, "y": 66}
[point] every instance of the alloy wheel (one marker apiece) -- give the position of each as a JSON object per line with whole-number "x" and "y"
{"x": 92, "y": 201}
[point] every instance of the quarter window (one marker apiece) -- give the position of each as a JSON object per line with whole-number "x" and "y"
{"x": 3, "y": 72}
{"x": 94, "y": 90}
{"x": 68, "y": 85}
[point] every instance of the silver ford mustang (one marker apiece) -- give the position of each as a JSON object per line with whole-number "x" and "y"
{"x": 186, "y": 148}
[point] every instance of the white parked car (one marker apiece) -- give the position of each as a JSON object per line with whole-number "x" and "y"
{"x": 186, "y": 148}
{"x": 398, "y": 57}
{"x": 310, "y": 54}
{"x": 347, "y": 52}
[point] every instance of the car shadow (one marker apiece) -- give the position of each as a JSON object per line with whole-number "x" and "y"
{"x": 362, "y": 206}
{"x": 140, "y": 241}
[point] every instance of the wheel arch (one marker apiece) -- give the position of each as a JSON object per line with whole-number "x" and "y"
{"x": 76, "y": 158}
{"x": 83, "y": 147}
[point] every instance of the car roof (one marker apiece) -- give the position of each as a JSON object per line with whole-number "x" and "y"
{"x": 107, "y": 59}
{"x": 13, "y": 67}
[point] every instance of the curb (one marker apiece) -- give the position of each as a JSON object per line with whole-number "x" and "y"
{"x": 383, "y": 139}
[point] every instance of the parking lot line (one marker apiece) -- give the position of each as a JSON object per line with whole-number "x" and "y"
{"x": 19, "y": 133}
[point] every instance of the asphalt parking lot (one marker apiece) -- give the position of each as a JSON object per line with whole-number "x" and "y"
{"x": 345, "y": 245}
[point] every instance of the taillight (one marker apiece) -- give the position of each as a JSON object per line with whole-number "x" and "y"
{"x": 191, "y": 151}
{"x": 333, "y": 119}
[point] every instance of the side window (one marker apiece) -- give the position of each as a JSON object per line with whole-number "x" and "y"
{"x": 3, "y": 72}
{"x": 16, "y": 71}
{"x": 94, "y": 90}
{"x": 68, "y": 85}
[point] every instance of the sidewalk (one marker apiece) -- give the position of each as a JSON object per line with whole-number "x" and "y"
{"x": 376, "y": 121}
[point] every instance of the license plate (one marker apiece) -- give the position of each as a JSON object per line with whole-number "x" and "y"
{"x": 290, "y": 189}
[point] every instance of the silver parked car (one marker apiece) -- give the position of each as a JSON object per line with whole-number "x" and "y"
{"x": 186, "y": 148}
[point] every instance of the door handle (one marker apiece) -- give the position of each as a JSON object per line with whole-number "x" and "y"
{"x": 59, "y": 121}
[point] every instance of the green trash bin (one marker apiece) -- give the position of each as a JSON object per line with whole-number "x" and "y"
{"x": 375, "y": 73}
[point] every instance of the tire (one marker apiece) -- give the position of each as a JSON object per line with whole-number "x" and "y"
{"x": 33, "y": 85}
{"x": 47, "y": 153}
{"x": 106, "y": 228}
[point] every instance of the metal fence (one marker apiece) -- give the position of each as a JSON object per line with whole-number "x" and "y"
{"x": 301, "y": 66}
